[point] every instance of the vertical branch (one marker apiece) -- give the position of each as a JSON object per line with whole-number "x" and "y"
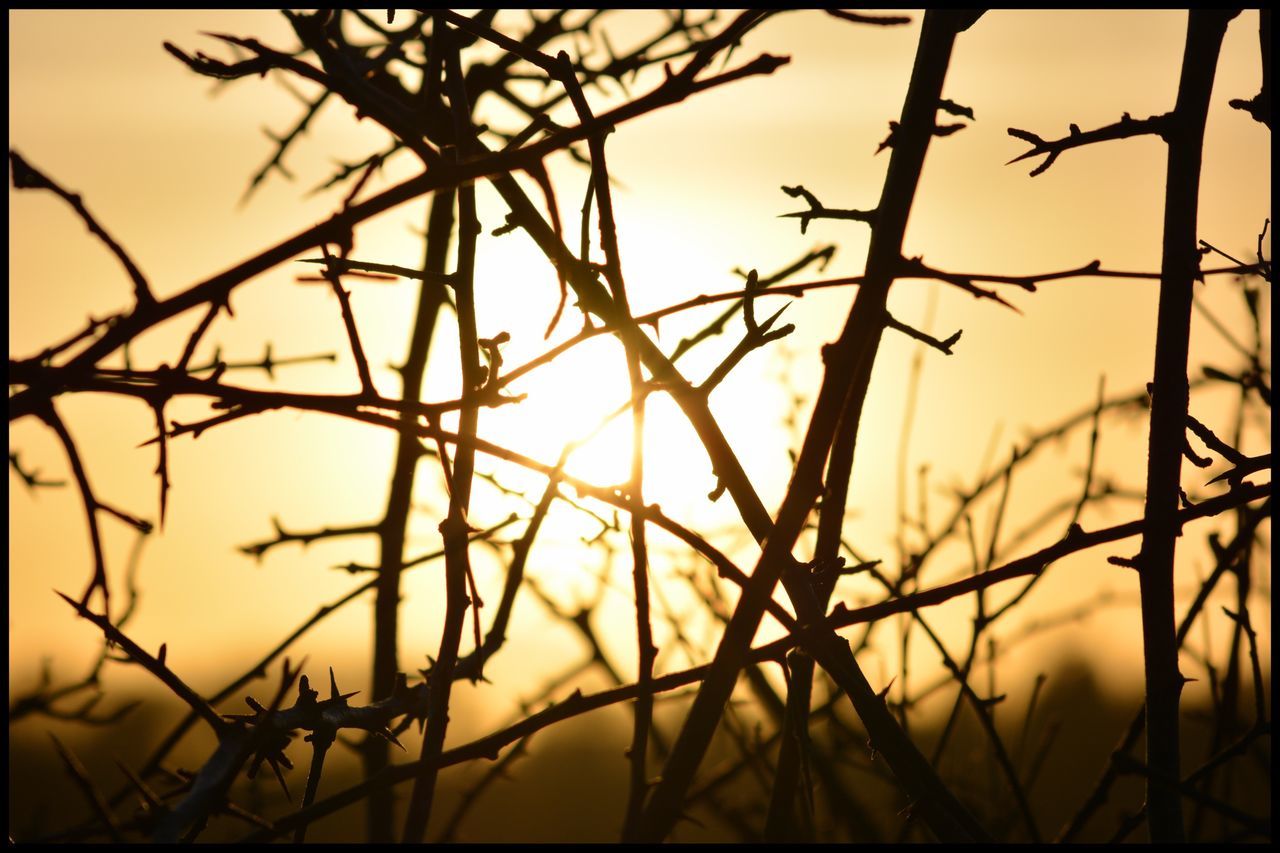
{"x": 162, "y": 463}
{"x": 321, "y": 740}
{"x": 1259, "y": 106}
{"x": 454, "y": 528}
{"x": 1170, "y": 393}
{"x": 639, "y": 553}
{"x": 848, "y": 367}
{"x": 785, "y": 822}
{"x": 391, "y": 531}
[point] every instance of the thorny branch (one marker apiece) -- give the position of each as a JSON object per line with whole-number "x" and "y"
{"x": 438, "y": 123}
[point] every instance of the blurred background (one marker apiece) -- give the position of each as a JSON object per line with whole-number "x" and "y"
{"x": 163, "y": 158}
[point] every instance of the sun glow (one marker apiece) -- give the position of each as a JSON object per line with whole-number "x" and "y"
{"x": 702, "y": 192}
{"x": 582, "y": 402}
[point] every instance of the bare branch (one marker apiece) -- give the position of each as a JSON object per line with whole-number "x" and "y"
{"x": 1125, "y": 128}
{"x": 26, "y": 176}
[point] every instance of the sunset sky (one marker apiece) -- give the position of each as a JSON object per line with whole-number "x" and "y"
{"x": 162, "y": 158}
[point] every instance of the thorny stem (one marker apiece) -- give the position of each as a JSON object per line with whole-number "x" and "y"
{"x": 848, "y": 366}
{"x": 639, "y": 748}
{"x": 789, "y": 819}
{"x": 99, "y": 580}
{"x": 258, "y": 670}
{"x": 490, "y": 745}
{"x": 454, "y": 528}
{"x": 1170, "y": 394}
{"x": 391, "y": 539}
{"x": 614, "y": 311}
{"x": 441, "y": 176}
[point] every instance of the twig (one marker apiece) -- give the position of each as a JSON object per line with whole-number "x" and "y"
{"x": 31, "y": 478}
{"x": 1125, "y": 128}
{"x": 490, "y": 745}
{"x": 852, "y": 354}
{"x": 1259, "y": 106}
{"x": 349, "y": 320}
{"x": 923, "y": 337}
{"x": 91, "y": 793}
{"x": 818, "y": 211}
{"x": 154, "y": 665}
{"x": 259, "y": 549}
{"x": 859, "y": 18}
{"x": 26, "y": 177}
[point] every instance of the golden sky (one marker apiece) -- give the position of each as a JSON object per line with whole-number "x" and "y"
{"x": 163, "y": 157}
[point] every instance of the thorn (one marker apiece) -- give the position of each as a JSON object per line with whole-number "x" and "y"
{"x": 387, "y": 734}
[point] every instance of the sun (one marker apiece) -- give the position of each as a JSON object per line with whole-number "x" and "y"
{"x": 583, "y": 400}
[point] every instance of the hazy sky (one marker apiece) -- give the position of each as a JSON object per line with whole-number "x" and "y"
{"x": 162, "y": 158}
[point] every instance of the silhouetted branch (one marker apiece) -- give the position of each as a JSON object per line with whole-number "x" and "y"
{"x": 1226, "y": 559}
{"x": 246, "y": 737}
{"x": 1179, "y": 266}
{"x": 155, "y": 665}
{"x": 418, "y": 85}
{"x": 454, "y": 529}
{"x": 757, "y": 335}
{"x": 349, "y": 320}
{"x": 282, "y": 145}
{"x": 91, "y": 793}
{"x": 26, "y": 177}
{"x": 790, "y": 814}
{"x": 99, "y": 580}
{"x": 818, "y": 211}
{"x": 258, "y": 670}
{"x": 490, "y": 745}
{"x": 860, "y": 18}
{"x": 1035, "y": 563}
{"x": 1125, "y": 128}
{"x": 1245, "y": 467}
{"x": 1259, "y": 106}
{"x": 923, "y": 337}
{"x": 674, "y": 90}
{"x": 850, "y": 356}
{"x": 31, "y": 478}
{"x": 258, "y": 549}
{"x": 336, "y": 265}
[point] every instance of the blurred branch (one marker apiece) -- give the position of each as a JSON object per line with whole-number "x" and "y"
{"x": 258, "y": 549}
{"x": 31, "y": 478}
